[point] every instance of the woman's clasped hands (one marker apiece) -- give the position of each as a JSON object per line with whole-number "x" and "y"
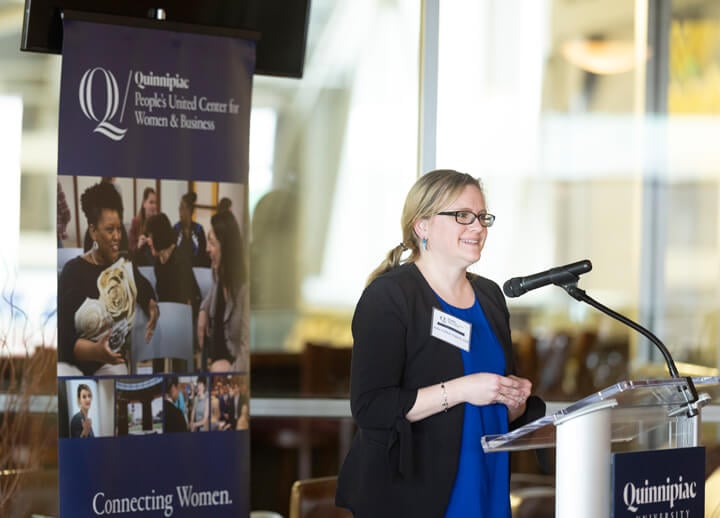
{"x": 485, "y": 388}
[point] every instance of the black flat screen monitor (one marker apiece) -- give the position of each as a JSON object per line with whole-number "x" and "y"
{"x": 282, "y": 25}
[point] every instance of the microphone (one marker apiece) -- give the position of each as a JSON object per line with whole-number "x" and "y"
{"x": 567, "y": 277}
{"x": 559, "y": 275}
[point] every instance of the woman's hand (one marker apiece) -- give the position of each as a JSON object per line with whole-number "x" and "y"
{"x": 105, "y": 353}
{"x": 86, "y": 427}
{"x": 154, "y": 313}
{"x": 202, "y": 327}
{"x": 100, "y": 351}
{"x": 485, "y": 388}
{"x": 517, "y": 411}
{"x": 142, "y": 239}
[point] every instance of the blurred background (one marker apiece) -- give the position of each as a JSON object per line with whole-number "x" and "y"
{"x": 592, "y": 124}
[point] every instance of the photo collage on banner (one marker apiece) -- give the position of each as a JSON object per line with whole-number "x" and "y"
{"x": 153, "y": 294}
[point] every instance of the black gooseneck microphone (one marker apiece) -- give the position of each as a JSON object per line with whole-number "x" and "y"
{"x": 559, "y": 276}
{"x": 567, "y": 278}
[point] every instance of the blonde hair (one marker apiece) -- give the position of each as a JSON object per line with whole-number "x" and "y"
{"x": 428, "y": 196}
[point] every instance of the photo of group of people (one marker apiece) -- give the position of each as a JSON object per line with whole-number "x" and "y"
{"x": 106, "y": 407}
{"x": 138, "y": 294}
{"x": 218, "y": 403}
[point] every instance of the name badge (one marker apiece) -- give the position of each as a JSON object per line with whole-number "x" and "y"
{"x": 451, "y": 329}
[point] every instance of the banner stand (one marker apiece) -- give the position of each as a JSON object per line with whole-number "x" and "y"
{"x": 153, "y": 133}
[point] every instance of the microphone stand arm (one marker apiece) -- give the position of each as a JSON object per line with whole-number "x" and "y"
{"x": 569, "y": 284}
{"x": 580, "y": 295}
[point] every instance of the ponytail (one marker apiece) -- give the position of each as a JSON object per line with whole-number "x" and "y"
{"x": 392, "y": 260}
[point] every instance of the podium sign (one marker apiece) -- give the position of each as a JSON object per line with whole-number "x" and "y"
{"x": 659, "y": 483}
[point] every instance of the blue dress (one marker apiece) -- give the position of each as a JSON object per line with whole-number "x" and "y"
{"x": 482, "y": 482}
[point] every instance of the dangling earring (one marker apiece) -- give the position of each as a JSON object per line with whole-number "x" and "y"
{"x": 94, "y": 245}
{"x": 424, "y": 243}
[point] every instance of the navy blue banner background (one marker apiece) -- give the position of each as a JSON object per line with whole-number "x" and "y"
{"x": 635, "y": 474}
{"x": 111, "y": 468}
{"x": 155, "y": 104}
{"x": 148, "y": 103}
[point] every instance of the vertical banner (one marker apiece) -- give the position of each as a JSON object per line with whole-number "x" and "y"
{"x": 153, "y": 305}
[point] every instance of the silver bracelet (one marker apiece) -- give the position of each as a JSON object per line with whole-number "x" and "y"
{"x": 444, "y": 402}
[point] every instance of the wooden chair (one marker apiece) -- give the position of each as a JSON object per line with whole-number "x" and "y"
{"x": 553, "y": 360}
{"x": 712, "y": 494}
{"x": 315, "y": 498}
{"x": 533, "y": 502}
{"x": 526, "y": 355}
{"x": 325, "y": 370}
{"x": 306, "y": 447}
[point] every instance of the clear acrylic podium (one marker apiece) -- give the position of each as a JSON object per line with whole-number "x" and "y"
{"x": 583, "y": 434}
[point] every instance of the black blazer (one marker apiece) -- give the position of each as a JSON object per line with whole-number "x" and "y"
{"x": 394, "y": 467}
{"x": 174, "y": 419}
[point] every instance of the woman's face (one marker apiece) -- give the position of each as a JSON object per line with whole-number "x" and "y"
{"x": 107, "y": 233}
{"x": 200, "y": 388}
{"x": 150, "y": 205}
{"x": 449, "y": 241}
{"x": 185, "y": 214}
{"x": 214, "y": 250}
{"x": 85, "y": 399}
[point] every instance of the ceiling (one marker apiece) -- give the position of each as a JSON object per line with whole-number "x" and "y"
{"x": 35, "y": 77}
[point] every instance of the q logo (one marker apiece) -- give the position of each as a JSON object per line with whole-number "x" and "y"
{"x": 111, "y": 98}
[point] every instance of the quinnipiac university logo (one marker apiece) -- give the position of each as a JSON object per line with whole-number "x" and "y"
{"x": 99, "y": 101}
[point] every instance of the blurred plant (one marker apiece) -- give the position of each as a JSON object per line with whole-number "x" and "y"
{"x": 28, "y": 398}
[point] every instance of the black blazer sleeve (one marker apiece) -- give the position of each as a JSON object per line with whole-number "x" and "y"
{"x": 379, "y": 330}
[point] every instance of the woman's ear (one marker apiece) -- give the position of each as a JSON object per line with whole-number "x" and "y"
{"x": 420, "y": 228}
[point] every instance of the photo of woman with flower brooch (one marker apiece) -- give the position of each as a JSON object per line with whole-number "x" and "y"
{"x": 98, "y": 292}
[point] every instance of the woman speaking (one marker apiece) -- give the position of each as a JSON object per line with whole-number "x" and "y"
{"x": 432, "y": 368}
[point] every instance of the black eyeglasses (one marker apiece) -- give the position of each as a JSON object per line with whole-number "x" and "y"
{"x": 466, "y": 217}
